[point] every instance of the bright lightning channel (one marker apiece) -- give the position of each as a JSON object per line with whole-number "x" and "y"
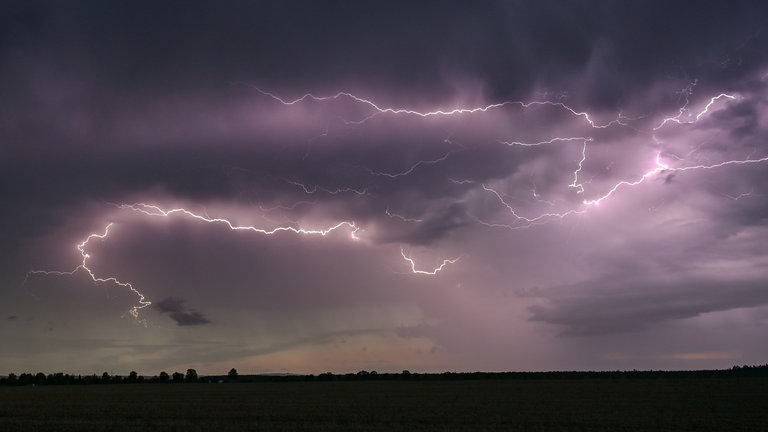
{"x": 153, "y": 210}
{"x": 433, "y": 272}
{"x": 134, "y": 310}
{"x": 619, "y": 120}
{"x": 692, "y": 119}
{"x": 662, "y": 167}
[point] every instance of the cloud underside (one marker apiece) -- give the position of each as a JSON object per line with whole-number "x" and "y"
{"x": 616, "y": 307}
{"x": 177, "y": 310}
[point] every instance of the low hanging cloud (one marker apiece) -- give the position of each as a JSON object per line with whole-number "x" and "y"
{"x": 184, "y": 316}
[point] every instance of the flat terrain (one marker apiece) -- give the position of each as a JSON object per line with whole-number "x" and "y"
{"x": 711, "y": 404}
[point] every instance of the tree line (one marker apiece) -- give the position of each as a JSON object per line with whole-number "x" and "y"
{"x": 60, "y": 378}
{"x": 232, "y": 376}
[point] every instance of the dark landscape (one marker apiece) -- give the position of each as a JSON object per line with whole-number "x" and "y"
{"x": 725, "y": 400}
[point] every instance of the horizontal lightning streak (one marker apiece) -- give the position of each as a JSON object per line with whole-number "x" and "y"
{"x": 529, "y": 221}
{"x": 540, "y": 143}
{"x": 153, "y": 210}
{"x": 440, "y": 112}
{"x": 315, "y": 189}
{"x": 401, "y": 217}
{"x": 658, "y": 169}
{"x": 412, "y": 168}
{"x": 661, "y": 167}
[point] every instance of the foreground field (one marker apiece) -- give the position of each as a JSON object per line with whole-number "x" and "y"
{"x": 485, "y": 405}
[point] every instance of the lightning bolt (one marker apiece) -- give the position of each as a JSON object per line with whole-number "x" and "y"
{"x": 83, "y": 267}
{"x": 576, "y": 185}
{"x": 740, "y": 196}
{"x": 153, "y": 210}
{"x": 662, "y": 167}
{"x": 659, "y": 168}
{"x": 433, "y": 272}
{"x": 692, "y": 119}
{"x": 315, "y": 189}
{"x": 683, "y": 117}
{"x": 378, "y": 110}
{"x": 401, "y": 217}
{"x": 540, "y": 143}
{"x": 412, "y": 168}
{"x": 527, "y": 221}
{"x": 157, "y": 211}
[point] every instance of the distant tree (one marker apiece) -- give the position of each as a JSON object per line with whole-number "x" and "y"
{"x": 13, "y": 379}
{"x": 26, "y": 379}
{"x": 232, "y": 374}
{"x": 105, "y": 378}
{"x": 164, "y": 378}
{"x": 177, "y": 377}
{"x": 133, "y": 377}
{"x": 191, "y": 375}
{"x": 326, "y": 376}
{"x": 57, "y": 378}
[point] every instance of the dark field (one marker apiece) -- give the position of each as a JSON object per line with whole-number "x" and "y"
{"x": 712, "y": 404}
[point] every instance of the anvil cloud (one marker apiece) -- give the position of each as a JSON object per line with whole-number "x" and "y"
{"x": 383, "y": 185}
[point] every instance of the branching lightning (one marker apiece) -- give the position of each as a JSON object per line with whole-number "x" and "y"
{"x": 378, "y": 110}
{"x": 519, "y": 221}
{"x": 153, "y": 210}
{"x": 691, "y": 118}
{"x": 83, "y": 267}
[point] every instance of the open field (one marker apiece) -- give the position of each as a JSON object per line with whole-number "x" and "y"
{"x": 711, "y": 404}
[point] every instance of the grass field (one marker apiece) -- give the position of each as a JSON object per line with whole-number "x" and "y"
{"x": 714, "y": 404}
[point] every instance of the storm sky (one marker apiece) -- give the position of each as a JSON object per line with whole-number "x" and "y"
{"x": 335, "y": 186}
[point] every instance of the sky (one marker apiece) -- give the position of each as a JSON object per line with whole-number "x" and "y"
{"x": 303, "y": 187}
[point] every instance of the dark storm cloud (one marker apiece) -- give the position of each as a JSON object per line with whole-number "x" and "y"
{"x": 105, "y": 103}
{"x": 84, "y": 73}
{"x": 616, "y": 305}
{"x": 184, "y": 316}
{"x": 171, "y": 304}
{"x": 189, "y": 318}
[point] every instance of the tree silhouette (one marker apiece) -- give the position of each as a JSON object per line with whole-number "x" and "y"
{"x": 133, "y": 377}
{"x": 232, "y": 374}
{"x": 178, "y": 377}
{"x": 164, "y": 378}
{"x": 191, "y": 375}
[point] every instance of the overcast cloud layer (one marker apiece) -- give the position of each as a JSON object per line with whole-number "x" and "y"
{"x": 312, "y": 186}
